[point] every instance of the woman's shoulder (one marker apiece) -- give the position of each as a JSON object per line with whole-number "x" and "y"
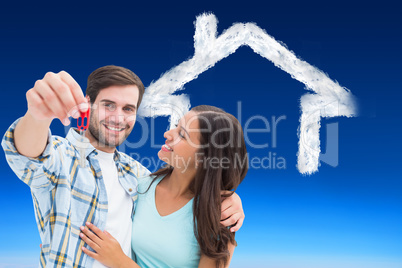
{"x": 145, "y": 181}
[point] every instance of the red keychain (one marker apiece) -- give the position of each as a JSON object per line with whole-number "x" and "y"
{"x": 83, "y": 121}
{"x": 82, "y": 124}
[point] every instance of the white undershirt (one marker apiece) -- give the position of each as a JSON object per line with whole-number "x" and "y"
{"x": 120, "y": 204}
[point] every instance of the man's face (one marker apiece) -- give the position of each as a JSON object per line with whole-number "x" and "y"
{"x": 113, "y": 115}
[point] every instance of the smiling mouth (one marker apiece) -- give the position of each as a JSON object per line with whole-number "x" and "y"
{"x": 114, "y": 128}
{"x": 167, "y": 148}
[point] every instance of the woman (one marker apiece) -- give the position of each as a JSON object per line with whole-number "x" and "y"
{"x": 177, "y": 218}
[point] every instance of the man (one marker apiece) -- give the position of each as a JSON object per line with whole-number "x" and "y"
{"x": 65, "y": 194}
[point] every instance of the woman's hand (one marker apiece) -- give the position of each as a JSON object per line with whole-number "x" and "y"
{"x": 232, "y": 214}
{"x": 107, "y": 248}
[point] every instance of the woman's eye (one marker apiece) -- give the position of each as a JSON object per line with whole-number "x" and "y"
{"x": 181, "y": 135}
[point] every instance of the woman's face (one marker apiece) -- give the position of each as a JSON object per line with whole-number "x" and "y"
{"x": 182, "y": 144}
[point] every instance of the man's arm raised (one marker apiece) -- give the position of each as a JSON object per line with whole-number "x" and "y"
{"x": 54, "y": 96}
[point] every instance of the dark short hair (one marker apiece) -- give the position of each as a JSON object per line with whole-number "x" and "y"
{"x": 112, "y": 75}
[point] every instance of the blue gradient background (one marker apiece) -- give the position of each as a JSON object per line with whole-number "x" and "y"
{"x": 344, "y": 216}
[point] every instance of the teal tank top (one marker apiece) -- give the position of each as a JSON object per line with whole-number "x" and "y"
{"x": 162, "y": 241}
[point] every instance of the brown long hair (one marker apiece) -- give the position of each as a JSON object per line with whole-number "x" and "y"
{"x": 224, "y": 165}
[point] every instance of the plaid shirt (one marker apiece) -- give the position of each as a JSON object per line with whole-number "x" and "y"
{"x": 65, "y": 195}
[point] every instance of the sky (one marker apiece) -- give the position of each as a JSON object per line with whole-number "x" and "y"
{"x": 348, "y": 214}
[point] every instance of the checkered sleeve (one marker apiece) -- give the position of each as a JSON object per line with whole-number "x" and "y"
{"x": 39, "y": 173}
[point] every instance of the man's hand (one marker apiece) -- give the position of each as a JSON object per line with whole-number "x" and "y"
{"x": 56, "y": 96}
{"x": 232, "y": 213}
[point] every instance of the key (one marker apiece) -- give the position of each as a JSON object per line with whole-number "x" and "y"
{"x": 82, "y": 124}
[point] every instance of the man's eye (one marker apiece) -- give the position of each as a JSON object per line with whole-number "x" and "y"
{"x": 110, "y": 106}
{"x": 128, "y": 109}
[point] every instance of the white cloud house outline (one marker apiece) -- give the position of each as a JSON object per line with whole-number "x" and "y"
{"x": 328, "y": 98}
